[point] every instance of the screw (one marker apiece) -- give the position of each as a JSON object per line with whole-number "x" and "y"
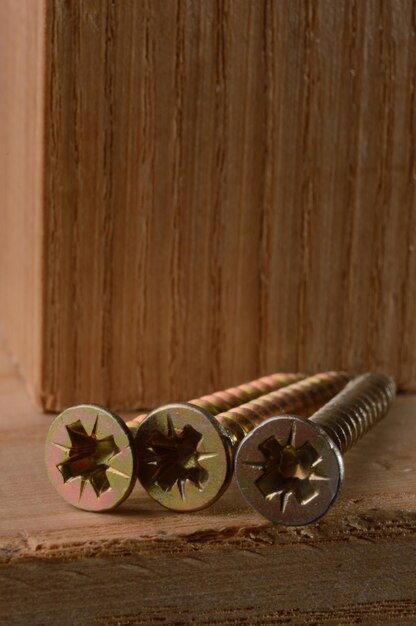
{"x": 186, "y": 455}
{"x": 291, "y": 469}
{"x": 91, "y": 453}
{"x": 90, "y": 457}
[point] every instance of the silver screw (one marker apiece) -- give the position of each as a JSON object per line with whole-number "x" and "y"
{"x": 291, "y": 469}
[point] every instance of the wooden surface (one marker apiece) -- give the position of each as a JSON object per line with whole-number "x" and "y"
{"x": 229, "y": 190}
{"x": 226, "y": 565}
{"x": 22, "y": 41}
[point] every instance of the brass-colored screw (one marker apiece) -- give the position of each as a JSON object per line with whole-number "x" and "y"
{"x": 91, "y": 454}
{"x": 91, "y": 458}
{"x": 186, "y": 455}
{"x": 291, "y": 469}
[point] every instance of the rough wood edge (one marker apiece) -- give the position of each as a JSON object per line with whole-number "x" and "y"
{"x": 366, "y": 527}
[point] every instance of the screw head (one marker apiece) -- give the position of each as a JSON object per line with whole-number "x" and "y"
{"x": 90, "y": 457}
{"x": 185, "y": 457}
{"x": 289, "y": 470}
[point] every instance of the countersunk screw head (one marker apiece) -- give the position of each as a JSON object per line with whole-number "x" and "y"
{"x": 90, "y": 457}
{"x": 185, "y": 457}
{"x": 289, "y": 470}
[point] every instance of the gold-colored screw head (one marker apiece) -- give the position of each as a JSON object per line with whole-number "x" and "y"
{"x": 289, "y": 470}
{"x": 90, "y": 458}
{"x": 185, "y": 457}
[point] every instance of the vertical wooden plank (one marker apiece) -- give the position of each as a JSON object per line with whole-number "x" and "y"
{"x": 228, "y": 190}
{"x": 228, "y": 182}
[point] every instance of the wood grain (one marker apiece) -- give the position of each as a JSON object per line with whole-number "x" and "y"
{"x": 144, "y": 565}
{"x": 229, "y": 190}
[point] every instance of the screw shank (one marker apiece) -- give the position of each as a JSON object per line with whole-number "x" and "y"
{"x": 302, "y": 398}
{"x": 220, "y": 401}
{"x": 234, "y": 396}
{"x": 356, "y": 409}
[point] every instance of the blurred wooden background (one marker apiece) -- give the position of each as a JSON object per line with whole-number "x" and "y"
{"x": 197, "y": 192}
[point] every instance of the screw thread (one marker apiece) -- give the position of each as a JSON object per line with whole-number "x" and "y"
{"x": 225, "y": 400}
{"x": 356, "y": 409}
{"x": 302, "y": 398}
{"x": 220, "y": 401}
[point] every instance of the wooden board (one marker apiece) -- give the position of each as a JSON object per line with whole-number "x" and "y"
{"x": 22, "y": 40}
{"x": 144, "y": 565}
{"x": 228, "y": 190}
